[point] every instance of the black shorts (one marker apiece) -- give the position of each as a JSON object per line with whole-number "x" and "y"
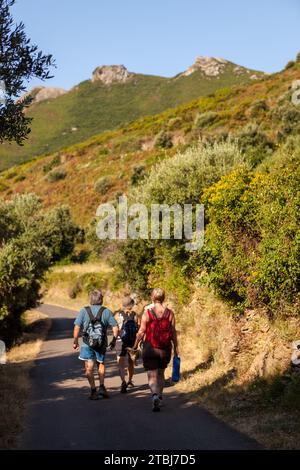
{"x": 155, "y": 358}
{"x": 124, "y": 352}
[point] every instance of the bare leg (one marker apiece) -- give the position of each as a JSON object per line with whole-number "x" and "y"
{"x": 161, "y": 380}
{"x": 130, "y": 368}
{"x": 89, "y": 372}
{"x": 153, "y": 381}
{"x": 101, "y": 372}
{"x": 121, "y": 362}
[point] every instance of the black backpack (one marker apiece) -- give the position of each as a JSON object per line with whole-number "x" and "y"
{"x": 129, "y": 331}
{"x": 95, "y": 334}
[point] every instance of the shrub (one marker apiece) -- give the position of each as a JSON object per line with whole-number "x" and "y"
{"x": 19, "y": 178}
{"x": 52, "y": 164}
{"x": 137, "y": 175}
{"x": 163, "y": 140}
{"x": 298, "y": 58}
{"x": 175, "y": 123}
{"x": 254, "y": 144}
{"x": 56, "y": 175}
{"x": 205, "y": 119}
{"x": 258, "y": 107}
{"x": 103, "y": 184}
{"x": 182, "y": 178}
{"x": 290, "y": 64}
{"x": 30, "y": 240}
{"x": 252, "y": 247}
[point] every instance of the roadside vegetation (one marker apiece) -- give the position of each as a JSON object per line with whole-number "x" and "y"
{"x": 15, "y": 376}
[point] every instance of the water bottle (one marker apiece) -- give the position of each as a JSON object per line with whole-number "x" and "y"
{"x": 176, "y": 369}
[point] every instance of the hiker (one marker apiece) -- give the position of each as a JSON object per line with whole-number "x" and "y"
{"x": 159, "y": 333}
{"x": 94, "y": 321}
{"x": 128, "y": 326}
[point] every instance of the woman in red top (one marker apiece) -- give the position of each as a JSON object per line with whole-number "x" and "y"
{"x": 158, "y": 328}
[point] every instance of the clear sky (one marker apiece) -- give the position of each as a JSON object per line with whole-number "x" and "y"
{"x": 160, "y": 37}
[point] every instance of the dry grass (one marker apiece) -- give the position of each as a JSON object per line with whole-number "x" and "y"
{"x": 84, "y": 268}
{"x": 15, "y": 377}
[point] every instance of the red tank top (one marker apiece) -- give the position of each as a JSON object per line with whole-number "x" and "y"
{"x": 159, "y": 331}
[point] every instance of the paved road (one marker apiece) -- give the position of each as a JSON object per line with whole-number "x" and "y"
{"x": 61, "y": 417}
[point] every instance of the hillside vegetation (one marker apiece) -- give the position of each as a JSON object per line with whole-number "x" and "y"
{"x": 260, "y": 115}
{"x": 93, "y": 107}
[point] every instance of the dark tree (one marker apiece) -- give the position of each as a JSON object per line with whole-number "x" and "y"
{"x": 19, "y": 61}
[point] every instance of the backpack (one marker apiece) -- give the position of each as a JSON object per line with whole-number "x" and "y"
{"x": 160, "y": 331}
{"x": 129, "y": 331}
{"x": 95, "y": 334}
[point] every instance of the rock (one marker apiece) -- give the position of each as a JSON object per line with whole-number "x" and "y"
{"x": 44, "y": 93}
{"x": 210, "y": 66}
{"x": 109, "y": 74}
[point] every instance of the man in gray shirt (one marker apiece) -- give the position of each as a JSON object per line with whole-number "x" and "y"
{"x": 91, "y": 355}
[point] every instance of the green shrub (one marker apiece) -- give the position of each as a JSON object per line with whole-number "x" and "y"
{"x": 254, "y": 144}
{"x": 163, "y": 140}
{"x": 182, "y": 178}
{"x": 137, "y": 175}
{"x": 30, "y": 240}
{"x": 3, "y": 187}
{"x": 252, "y": 246}
{"x": 205, "y": 119}
{"x": 55, "y": 161}
{"x": 258, "y": 107}
{"x": 175, "y": 123}
{"x": 19, "y": 178}
{"x": 298, "y": 58}
{"x": 56, "y": 175}
{"x": 290, "y": 64}
{"x": 103, "y": 184}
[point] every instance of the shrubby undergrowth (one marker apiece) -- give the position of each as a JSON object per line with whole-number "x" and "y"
{"x": 30, "y": 240}
{"x": 251, "y": 255}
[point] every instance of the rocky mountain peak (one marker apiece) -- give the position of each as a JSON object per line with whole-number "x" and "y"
{"x": 109, "y": 74}
{"x": 210, "y": 66}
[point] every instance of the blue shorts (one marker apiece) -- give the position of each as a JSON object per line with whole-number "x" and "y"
{"x": 89, "y": 354}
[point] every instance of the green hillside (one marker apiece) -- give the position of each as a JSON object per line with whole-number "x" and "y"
{"x": 92, "y": 107}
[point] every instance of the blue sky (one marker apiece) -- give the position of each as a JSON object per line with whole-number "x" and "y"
{"x": 160, "y": 37}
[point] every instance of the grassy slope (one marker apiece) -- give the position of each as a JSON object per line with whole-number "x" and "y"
{"x": 93, "y": 108}
{"x": 115, "y": 154}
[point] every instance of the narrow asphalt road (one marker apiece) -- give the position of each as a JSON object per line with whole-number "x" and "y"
{"x": 61, "y": 417}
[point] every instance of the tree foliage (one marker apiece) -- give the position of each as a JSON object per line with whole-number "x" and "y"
{"x": 19, "y": 62}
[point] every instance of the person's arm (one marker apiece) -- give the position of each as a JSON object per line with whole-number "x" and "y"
{"x": 142, "y": 330}
{"x": 174, "y": 336}
{"x": 115, "y": 328}
{"x": 76, "y": 337}
{"x": 77, "y": 327}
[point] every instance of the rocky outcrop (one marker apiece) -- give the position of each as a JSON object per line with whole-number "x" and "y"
{"x": 44, "y": 93}
{"x": 210, "y": 66}
{"x": 109, "y": 74}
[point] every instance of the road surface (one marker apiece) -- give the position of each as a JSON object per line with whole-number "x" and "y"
{"x": 60, "y": 416}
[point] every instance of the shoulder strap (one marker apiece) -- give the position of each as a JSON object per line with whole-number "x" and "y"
{"x": 153, "y": 313}
{"x": 90, "y": 314}
{"x": 100, "y": 313}
{"x": 167, "y": 312}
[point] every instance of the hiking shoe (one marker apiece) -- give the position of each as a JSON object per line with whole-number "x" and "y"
{"x": 155, "y": 403}
{"x": 130, "y": 384}
{"x": 123, "y": 387}
{"x": 103, "y": 392}
{"x": 94, "y": 395}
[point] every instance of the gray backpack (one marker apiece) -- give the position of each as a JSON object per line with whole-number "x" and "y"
{"x": 95, "y": 334}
